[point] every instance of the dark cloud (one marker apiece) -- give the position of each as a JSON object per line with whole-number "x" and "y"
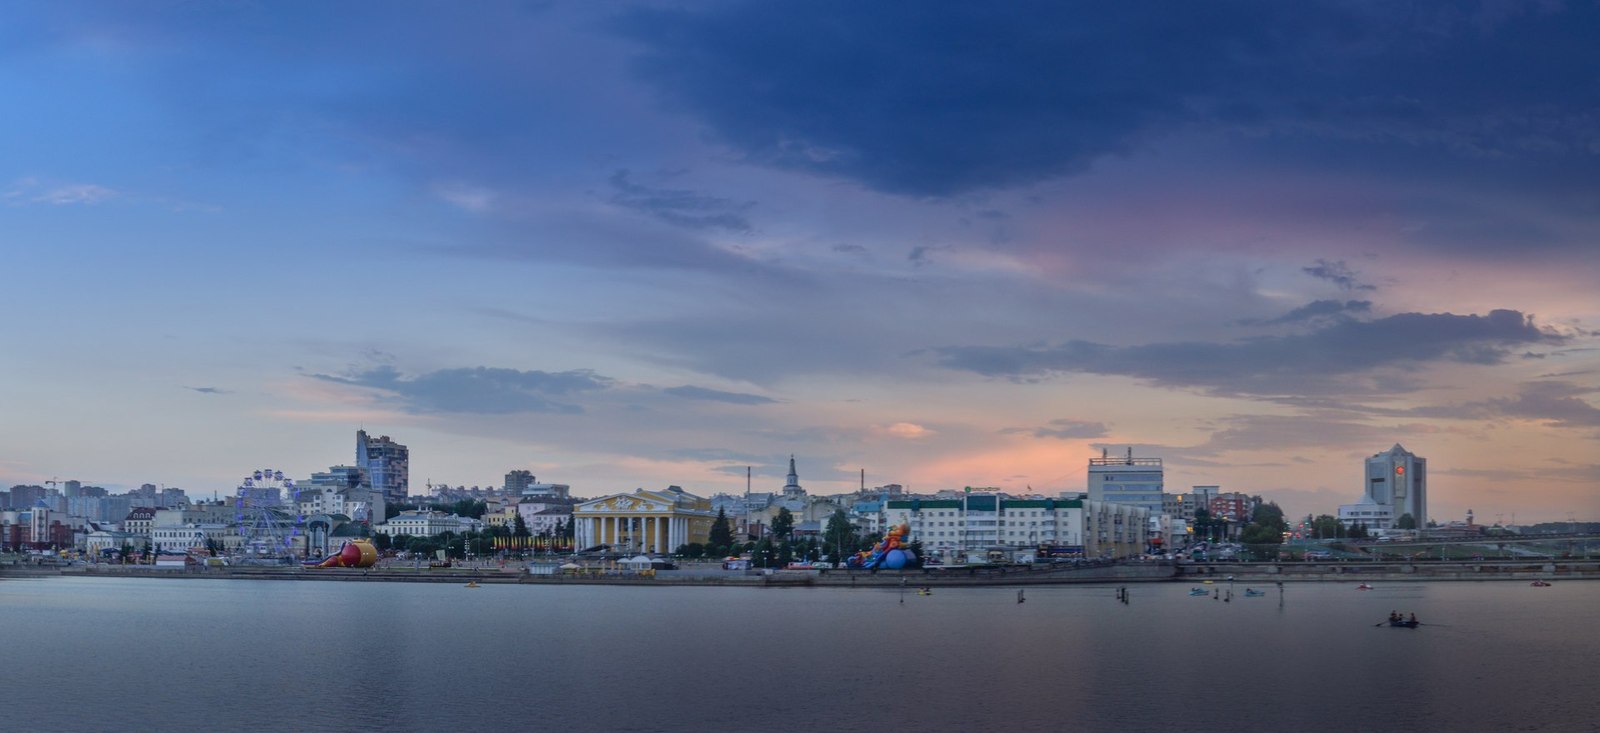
{"x": 1334, "y": 359}
{"x": 1065, "y": 429}
{"x": 680, "y": 207}
{"x": 209, "y": 390}
{"x": 486, "y": 390}
{"x": 1337, "y": 273}
{"x": 1318, "y": 310}
{"x": 935, "y": 99}
{"x": 1556, "y": 403}
{"x": 715, "y": 395}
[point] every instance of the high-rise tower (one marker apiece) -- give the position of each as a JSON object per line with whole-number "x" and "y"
{"x": 387, "y": 463}
{"x": 1398, "y": 478}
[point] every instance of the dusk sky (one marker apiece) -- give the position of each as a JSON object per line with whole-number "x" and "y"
{"x": 633, "y": 245}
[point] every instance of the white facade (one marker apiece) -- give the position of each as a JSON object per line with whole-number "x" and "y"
{"x": 957, "y": 527}
{"x": 179, "y": 539}
{"x": 359, "y": 504}
{"x": 420, "y": 523}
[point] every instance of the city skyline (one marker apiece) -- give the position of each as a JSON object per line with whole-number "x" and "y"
{"x": 631, "y": 245}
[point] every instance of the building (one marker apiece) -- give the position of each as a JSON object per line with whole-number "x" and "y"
{"x": 1128, "y": 480}
{"x": 423, "y": 523}
{"x": 1396, "y": 485}
{"x": 139, "y": 521}
{"x": 980, "y": 524}
{"x": 1233, "y": 507}
{"x": 387, "y": 463}
{"x": 518, "y": 480}
{"x": 791, "y": 487}
{"x": 1399, "y": 478}
{"x": 341, "y": 490}
{"x": 644, "y": 521}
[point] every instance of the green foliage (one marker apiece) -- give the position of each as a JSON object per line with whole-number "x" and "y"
{"x": 382, "y": 542}
{"x": 1266, "y": 526}
{"x": 519, "y": 527}
{"x": 693, "y": 549}
{"x": 1406, "y": 521}
{"x": 1326, "y": 527}
{"x": 422, "y": 545}
{"x": 721, "y": 530}
{"x": 465, "y": 508}
{"x": 783, "y": 524}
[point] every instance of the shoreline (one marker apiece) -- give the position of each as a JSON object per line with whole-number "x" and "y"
{"x": 947, "y": 577}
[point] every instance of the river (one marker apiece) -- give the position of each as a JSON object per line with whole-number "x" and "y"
{"x": 92, "y": 654}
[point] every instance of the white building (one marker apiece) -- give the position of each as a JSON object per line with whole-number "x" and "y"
{"x": 423, "y": 523}
{"x": 180, "y": 538}
{"x": 978, "y": 523}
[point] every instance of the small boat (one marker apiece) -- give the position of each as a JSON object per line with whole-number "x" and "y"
{"x": 1539, "y": 584}
{"x": 1199, "y": 592}
{"x": 1253, "y": 593}
{"x": 1363, "y": 586}
{"x": 1404, "y": 624}
{"x": 472, "y": 584}
{"x": 925, "y": 592}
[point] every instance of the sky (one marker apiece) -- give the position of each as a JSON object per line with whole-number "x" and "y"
{"x": 950, "y": 244}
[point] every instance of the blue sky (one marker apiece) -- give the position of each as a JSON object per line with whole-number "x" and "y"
{"x": 643, "y": 244}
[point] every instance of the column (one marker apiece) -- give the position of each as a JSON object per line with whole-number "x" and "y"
{"x": 661, "y": 539}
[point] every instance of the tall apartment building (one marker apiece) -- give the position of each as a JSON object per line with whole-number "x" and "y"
{"x": 387, "y": 463}
{"x": 518, "y": 480}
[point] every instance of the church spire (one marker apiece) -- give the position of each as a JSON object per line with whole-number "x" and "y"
{"x": 793, "y": 485}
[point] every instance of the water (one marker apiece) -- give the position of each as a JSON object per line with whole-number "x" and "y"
{"x": 95, "y": 654}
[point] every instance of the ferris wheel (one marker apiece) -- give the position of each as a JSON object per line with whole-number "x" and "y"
{"x": 267, "y": 512}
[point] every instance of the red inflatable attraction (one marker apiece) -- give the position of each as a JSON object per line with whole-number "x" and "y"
{"x": 354, "y": 554}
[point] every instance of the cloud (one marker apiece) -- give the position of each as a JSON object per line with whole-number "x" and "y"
{"x": 1337, "y": 273}
{"x": 471, "y": 198}
{"x": 1064, "y": 429}
{"x": 1325, "y": 361}
{"x": 680, "y": 207}
{"x": 208, "y": 390}
{"x": 485, "y": 390}
{"x": 1319, "y": 310}
{"x": 907, "y": 430}
{"x": 939, "y": 99}
{"x": 1556, "y": 403}
{"x": 32, "y": 191}
{"x": 714, "y": 395}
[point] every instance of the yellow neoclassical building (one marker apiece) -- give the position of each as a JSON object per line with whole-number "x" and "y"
{"x": 644, "y": 521}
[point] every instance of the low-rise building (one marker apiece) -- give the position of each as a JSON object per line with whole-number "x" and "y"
{"x": 424, "y": 523}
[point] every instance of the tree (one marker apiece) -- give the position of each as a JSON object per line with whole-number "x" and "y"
{"x": 1406, "y": 521}
{"x": 381, "y": 542}
{"x": 839, "y": 537}
{"x": 519, "y": 527}
{"x": 721, "y": 532}
{"x": 783, "y": 524}
{"x": 1327, "y": 527}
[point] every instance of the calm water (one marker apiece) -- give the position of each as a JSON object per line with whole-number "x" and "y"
{"x": 206, "y": 655}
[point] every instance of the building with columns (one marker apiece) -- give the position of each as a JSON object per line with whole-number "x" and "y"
{"x": 644, "y": 521}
